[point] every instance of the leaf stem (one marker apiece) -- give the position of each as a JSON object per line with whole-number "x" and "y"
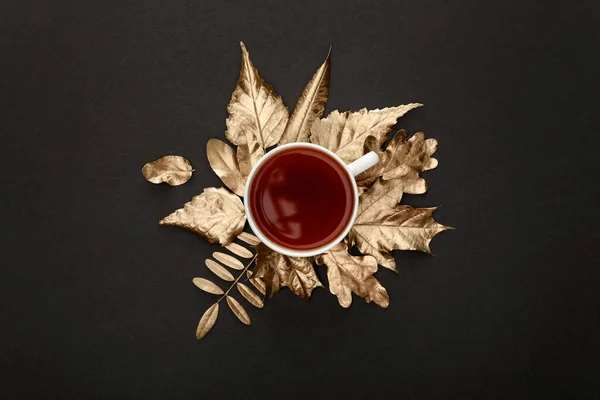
{"x": 238, "y": 278}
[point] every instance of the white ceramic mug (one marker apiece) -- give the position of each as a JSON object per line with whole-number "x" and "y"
{"x": 363, "y": 163}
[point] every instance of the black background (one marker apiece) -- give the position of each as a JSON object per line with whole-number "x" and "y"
{"x": 97, "y": 299}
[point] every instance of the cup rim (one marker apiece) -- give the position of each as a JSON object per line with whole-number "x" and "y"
{"x": 284, "y": 250}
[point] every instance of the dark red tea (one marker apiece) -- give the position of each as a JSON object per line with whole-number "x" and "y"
{"x": 301, "y": 198}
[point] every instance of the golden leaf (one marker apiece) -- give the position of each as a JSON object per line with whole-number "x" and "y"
{"x": 243, "y": 159}
{"x": 207, "y": 286}
{"x": 174, "y": 170}
{"x": 250, "y": 295}
{"x": 217, "y": 215}
{"x": 228, "y": 260}
{"x": 257, "y": 115}
{"x": 238, "y": 310}
{"x": 222, "y": 159}
{"x": 219, "y": 270}
{"x": 207, "y": 321}
{"x": 279, "y": 270}
{"x": 382, "y": 225}
{"x": 238, "y": 250}
{"x": 310, "y": 106}
{"x": 347, "y": 274}
{"x": 248, "y": 238}
{"x": 345, "y": 133}
{"x": 258, "y": 283}
{"x": 403, "y": 159}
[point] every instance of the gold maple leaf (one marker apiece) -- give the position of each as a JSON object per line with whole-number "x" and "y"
{"x": 216, "y": 214}
{"x": 382, "y": 225}
{"x": 347, "y": 274}
{"x": 345, "y": 133}
{"x": 278, "y": 270}
{"x": 403, "y": 159}
{"x": 257, "y": 115}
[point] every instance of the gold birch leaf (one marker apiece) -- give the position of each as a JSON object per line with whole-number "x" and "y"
{"x": 223, "y": 160}
{"x": 348, "y": 274}
{"x": 228, "y": 260}
{"x": 279, "y": 270}
{"x": 219, "y": 270}
{"x": 207, "y": 321}
{"x": 250, "y": 295}
{"x": 248, "y": 238}
{"x": 216, "y": 214}
{"x": 243, "y": 159}
{"x": 258, "y": 283}
{"x": 238, "y": 250}
{"x": 405, "y": 160}
{"x": 238, "y": 310}
{"x": 345, "y": 133}
{"x": 174, "y": 170}
{"x": 310, "y": 106}
{"x": 382, "y": 225}
{"x": 257, "y": 115}
{"x": 207, "y": 286}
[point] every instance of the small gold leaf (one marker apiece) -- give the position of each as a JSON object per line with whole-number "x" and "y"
{"x": 207, "y": 321}
{"x": 278, "y": 271}
{"x": 258, "y": 283}
{"x": 222, "y": 159}
{"x": 219, "y": 270}
{"x": 174, "y": 170}
{"x": 207, "y": 286}
{"x": 228, "y": 260}
{"x": 403, "y": 159}
{"x": 257, "y": 115}
{"x": 310, "y": 106}
{"x": 248, "y": 238}
{"x": 239, "y": 250}
{"x": 347, "y": 274}
{"x": 382, "y": 225}
{"x": 238, "y": 310}
{"x": 345, "y": 133}
{"x": 250, "y": 295}
{"x": 217, "y": 215}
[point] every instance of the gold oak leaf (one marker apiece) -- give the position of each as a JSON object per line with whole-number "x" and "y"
{"x": 403, "y": 159}
{"x": 174, "y": 170}
{"x": 345, "y": 133}
{"x": 382, "y": 225}
{"x": 216, "y": 214}
{"x": 279, "y": 270}
{"x": 310, "y": 106}
{"x": 222, "y": 159}
{"x": 257, "y": 115}
{"x": 347, "y": 274}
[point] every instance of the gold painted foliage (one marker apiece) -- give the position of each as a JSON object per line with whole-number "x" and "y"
{"x": 217, "y": 265}
{"x": 257, "y": 120}
{"x": 173, "y": 170}
{"x": 403, "y": 159}
{"x": 217, "y": 215}
{"x": 278, "y": 270}
{"x": 349, "y": 274}
{"x": 257, "y": 115}
{"x": 345, "y": 133}
{"x": 382, "y": 225}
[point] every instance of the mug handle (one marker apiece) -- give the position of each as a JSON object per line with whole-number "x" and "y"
{"x": 363, "y": 163}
